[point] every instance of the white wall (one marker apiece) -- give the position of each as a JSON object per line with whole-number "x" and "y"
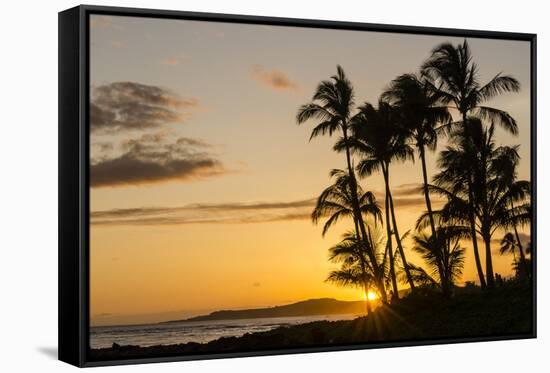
{"x": 28, "y": 185}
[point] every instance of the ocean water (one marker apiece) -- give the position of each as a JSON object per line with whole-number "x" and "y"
{"x": 194, "y": 331}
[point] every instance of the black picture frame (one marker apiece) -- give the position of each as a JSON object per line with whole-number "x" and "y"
{"x": 74, "y": 151}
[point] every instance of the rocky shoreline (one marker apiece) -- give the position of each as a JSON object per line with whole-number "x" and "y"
{"x": 503, "y": 312}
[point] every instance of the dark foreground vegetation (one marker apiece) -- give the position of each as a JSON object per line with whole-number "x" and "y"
{"x": 470, "y": 313}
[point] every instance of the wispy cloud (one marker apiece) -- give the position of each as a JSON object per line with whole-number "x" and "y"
{"x": 274, "y": 79}
{"x": 236, "y": 212}
{"x": 122, "y": 106}
{"x": 409, "y": 196}
{"x": 228, "y": 213}
{"x": 174, "y": 59}
{"x": 152, "y": 159}
{"x": 170, "y": 61}
{"x": 408, "y": 189}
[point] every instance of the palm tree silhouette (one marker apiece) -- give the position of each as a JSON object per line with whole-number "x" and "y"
{"x": 379, "y": 140}
{"x": 508, "y": 245}
{"x": 443, "y": 254}
{"x": 506, "y": 163}
{"x": 332, "y": 105}
{"x": 475, "y": 157}
{"x": 336, "y": 202}
{"x": 423, "y": 117}
{"x": 456, "y": 78}
{"x": 350, "y": 253}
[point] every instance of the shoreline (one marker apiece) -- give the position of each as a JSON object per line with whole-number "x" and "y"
{"x": 505, "y": 311}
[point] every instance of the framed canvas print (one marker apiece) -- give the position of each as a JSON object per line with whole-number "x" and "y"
{"x": 238, "y": 186}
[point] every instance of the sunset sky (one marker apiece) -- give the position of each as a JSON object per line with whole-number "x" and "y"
{"x": 202, "y": 184}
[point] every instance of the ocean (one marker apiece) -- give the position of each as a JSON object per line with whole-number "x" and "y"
{"x": 194, "y": 331}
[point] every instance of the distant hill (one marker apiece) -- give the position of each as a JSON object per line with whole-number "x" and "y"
{"x": 323, "y": 306}
{"x": 471, "y": 313}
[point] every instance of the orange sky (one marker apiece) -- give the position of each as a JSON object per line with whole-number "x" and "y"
{"x": 202, "y": 183}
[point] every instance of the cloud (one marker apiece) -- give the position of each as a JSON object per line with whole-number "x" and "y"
{"x": 129, "y": 105}
{"x": 274, "y": 79}
{"x": 409, "y": 189}
{"x": 228, "y": 213}
{"x": 171, "y": 61}
{"x": 409, "y": 196}
{"x": 174, "y": 60}
{"x": 103, "y": 146}
{"x": 183, "y": 220}
{"x": 151, "y": 159}
{"x": 524, "y": 238}
{"x": 409, "y": 202}
{"x": 217, "y": 207}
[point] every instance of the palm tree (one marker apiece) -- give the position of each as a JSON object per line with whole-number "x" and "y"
{"x": 508, "y": 245}
{"x": 349, "y": 252}
{"x": 332, "y": 106}
{"x": 353, "y": 272}
{"x": 474, "y": 156}
{"x": 506, "y": 163}
{"x": 456, "y": 78}
{"x": 422, "y": 117}
{"x": 379, "y": 140}
{"x": 336, "y": 202}
{"x": 443, "y": 254}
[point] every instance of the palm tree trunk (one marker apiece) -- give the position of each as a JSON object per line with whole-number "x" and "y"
{"x": 395, "y": 294}
{"x": 430, "y": 214}
{"x": 471, "y": 215}
{"x": 488, "y": 258}
{"x": 396, "y": 231}
{"x": 362, "y": 258}
{"x": 363, "y": 264}
{"x": 426, "y": 190}
{"x": 357, "y": 212}
{"x": 485, "y": 222}
{"x": 473, "y": 232}
{"x": 367, "y": 301}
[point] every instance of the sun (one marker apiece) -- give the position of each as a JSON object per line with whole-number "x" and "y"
{"x": 370, "y": 296}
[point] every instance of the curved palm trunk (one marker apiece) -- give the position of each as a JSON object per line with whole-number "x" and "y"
{"x": 357, "y": 212}
{"x": 473, "y": 233}
{"x": 363, "y": 264}
{"x": 442, "y": 276}
{"x": 472, "y": 221}
{"x": 485, "y": 222}
{"x": 395, "y": 294}
{"x": 395, "y": 230}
